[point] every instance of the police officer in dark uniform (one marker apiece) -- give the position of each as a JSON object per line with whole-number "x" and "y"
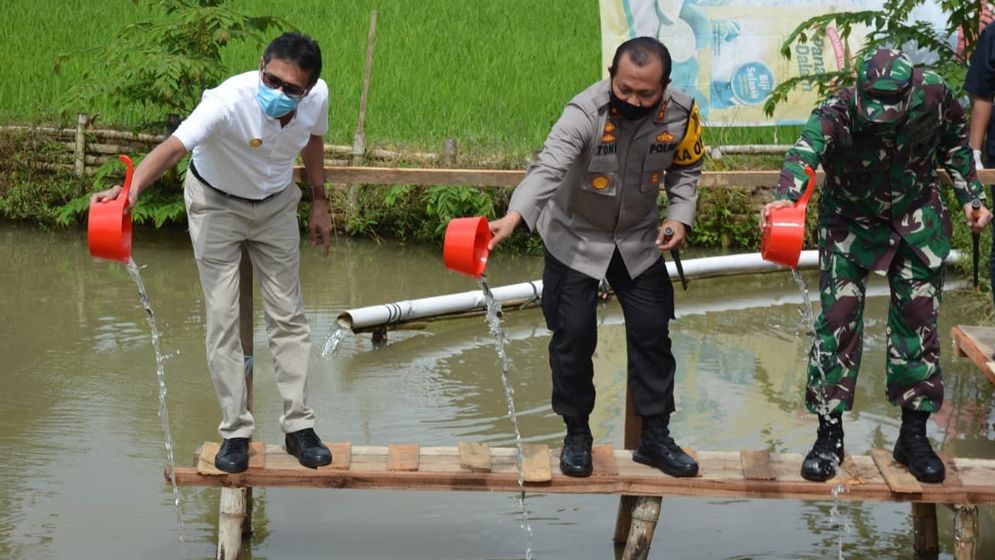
{"x": 592, "y": 195}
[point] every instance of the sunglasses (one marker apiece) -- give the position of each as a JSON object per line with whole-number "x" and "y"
{"x": 291, "y": 90}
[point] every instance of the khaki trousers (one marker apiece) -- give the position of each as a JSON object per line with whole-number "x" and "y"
{"x": 219, "y": 226}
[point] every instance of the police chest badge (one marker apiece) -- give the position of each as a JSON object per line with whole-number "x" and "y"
{"x": 600, "y": 182}
{"x": 255, "y": 142}
{"x": 608, "y": 135}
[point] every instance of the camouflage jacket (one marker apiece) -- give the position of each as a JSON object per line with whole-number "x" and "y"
{"x": 881, "y": 185}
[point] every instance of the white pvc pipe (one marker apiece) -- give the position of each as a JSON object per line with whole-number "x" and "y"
{"x": 726, "y": 265}
{"x": 412, "y": 310}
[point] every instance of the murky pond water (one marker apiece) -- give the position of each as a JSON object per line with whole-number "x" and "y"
{"x": 81, "y": 447}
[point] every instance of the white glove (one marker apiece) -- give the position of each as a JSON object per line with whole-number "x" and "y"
{"x": 977, "y": 160}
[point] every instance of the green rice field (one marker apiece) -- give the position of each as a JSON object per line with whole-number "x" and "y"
{"x": 494, "y": 74}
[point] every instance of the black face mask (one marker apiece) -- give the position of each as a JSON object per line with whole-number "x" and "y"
{"x": 628, "y": 111}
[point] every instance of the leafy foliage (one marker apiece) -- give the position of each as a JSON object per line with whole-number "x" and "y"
{"x": 163, "y": 64}
{"x": 726, "y": 218}
{"x": 443, "y": 203}
{"x": 419, "y": 213}
{"x": 160, "y": 205}
{"x": 889, "y": 26}
{"x": 33, "y": 185}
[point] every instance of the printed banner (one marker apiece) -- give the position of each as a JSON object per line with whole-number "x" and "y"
{"x": 726, "y": 53}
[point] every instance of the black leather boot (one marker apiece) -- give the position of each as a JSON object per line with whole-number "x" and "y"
{"x": 914, "y": 451}
{"x": 658, "y": 449}
{"x": 307, "y": 447}
{"x": 827, "y": 453}
{"x": 233, "y": 457}
{"x": 575, "y": 457}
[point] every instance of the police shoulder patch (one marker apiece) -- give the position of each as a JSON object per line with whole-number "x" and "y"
{"x": 691, "y": 148}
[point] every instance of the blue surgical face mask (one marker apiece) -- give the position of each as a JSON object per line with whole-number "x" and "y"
{"x": 274, "y": 102}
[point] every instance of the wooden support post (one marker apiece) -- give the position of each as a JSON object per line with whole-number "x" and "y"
{"x": 633, "y": 425}
{"x": 230, "y": 518}
{"x": 925, "y": 540}
{"x": 644, "y": 518}
{"x": 80, "y": 155}
{"x": 965, "y": 532}
{"x": 359, "y": 138}
{"x": 450, "y": 153}
{"x": 245, "y": 334}
{"x": 235, "y": 509}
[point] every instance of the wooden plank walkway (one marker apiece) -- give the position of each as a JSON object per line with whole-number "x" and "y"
{"x": 747, "y": 474}
{"x": 978, "y": 344}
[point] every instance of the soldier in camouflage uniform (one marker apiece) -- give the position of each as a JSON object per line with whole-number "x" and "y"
{"x": 880, "y": 211}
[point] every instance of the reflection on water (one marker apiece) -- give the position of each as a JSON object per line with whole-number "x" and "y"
{"x": 81, "y": 447}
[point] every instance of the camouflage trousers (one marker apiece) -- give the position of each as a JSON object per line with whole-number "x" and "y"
{"x": 913, "y": 362}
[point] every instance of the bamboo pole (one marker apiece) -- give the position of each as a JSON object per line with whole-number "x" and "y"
{"x": 633, "y": 425}
{"x": 716, "y": 152}
{"x": 644, "y": 519}
{"x": 62, "y": 167}
{"x": 709, "y": 179}
{"x": 925, "y": 540}
{"x": 94, "y": 149}
{"x": 230, "y": 518}
{"x": 965, "y": 532}
{"x": 81, "y": 122}
{"x": 380, "y": 154}
{"x": 450, "y": 153}
{"x": 111, "y": 149}
{"x": 48, "y": 129}
{"x": 129, "y": 136}
{"x": 359, "y": 139}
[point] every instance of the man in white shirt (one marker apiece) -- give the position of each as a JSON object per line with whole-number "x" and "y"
{"x": 239, "y": 189}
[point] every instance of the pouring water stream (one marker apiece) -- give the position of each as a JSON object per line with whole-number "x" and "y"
{"x": 808, "y": 324}
{"x": 494, "y": 323}
{"x": 160, "y": 372}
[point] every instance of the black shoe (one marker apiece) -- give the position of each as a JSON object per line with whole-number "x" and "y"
{"x": 914, "y": 451}
{"x": 575, "y": 457}
{"x": 233, "y": 457}
{"x": 658, "y": 449}
{"x": 307, "y": 447}
{"x": 827, "y": 453}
